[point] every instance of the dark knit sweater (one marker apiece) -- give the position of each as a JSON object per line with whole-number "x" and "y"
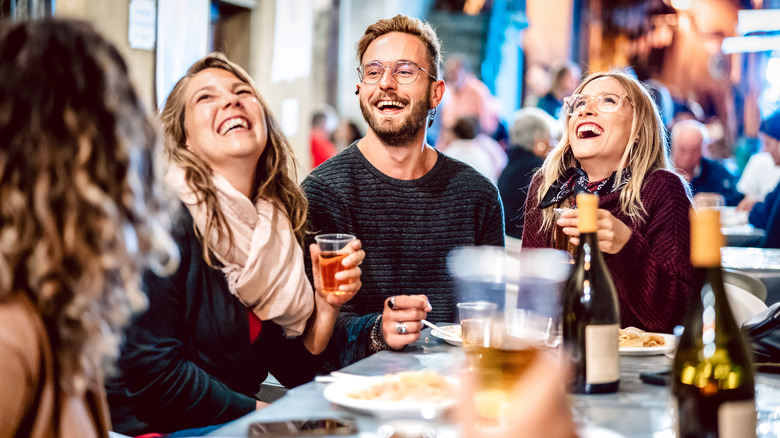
{"x": 652, "y": 272}
{"x": 188, "y": 360}
{"x": 407, "y": 228}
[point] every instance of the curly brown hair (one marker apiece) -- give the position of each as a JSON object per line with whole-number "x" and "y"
{"x": 275, "y": 178}
{"x": 80, "y": 216}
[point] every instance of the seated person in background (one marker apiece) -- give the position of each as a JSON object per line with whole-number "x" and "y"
{"x": 240, "y": 305}
{"x": 564, "y": 80}
{"x": 689, "y": 138}
{"x": 531, "y": 135}
{"x": 467, "y": 96}
{"x": 613, "y": 146}
{"x": 762, "y": 173}
{"x": 321, "y": 146}
{"x": 408, "y": 203}
{"x": 345, "y": 134}
{"x": 80, "y": 219}
{"x": 476, "y": 149}
{"x": 770, "y": 137}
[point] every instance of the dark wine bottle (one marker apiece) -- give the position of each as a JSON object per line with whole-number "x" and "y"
{"x": 713, "y": 382}
{"x": 590, "y": 311}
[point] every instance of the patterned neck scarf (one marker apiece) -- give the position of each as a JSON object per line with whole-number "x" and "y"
{"x": 575, "y": 180}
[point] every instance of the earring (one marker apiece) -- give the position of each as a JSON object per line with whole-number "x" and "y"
{"x": 541, "y": 146}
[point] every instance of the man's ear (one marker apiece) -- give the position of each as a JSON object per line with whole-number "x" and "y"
{"x": 437, "y": 93}
{"x": 357, "y": 90}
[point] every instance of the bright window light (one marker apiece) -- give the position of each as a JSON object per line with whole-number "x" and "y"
{"x": 773, "y": 72}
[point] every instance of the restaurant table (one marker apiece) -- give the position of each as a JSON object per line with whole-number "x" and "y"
{"x": 761, "y": 263}
{"x": 742, "y": 235}
{"x": 637, "y": 410}
{"x": 736, "y": 229}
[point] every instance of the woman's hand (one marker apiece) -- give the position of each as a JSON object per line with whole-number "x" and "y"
{"x": 401, "y": 319}
{"x": 326, "y": 305}
{"x": 613, "y": 234}
{"x": 352, "y": 273}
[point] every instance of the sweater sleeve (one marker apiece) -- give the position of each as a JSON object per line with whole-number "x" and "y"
{"x": 493, "y": 229}
{"x": 652, "y": 272}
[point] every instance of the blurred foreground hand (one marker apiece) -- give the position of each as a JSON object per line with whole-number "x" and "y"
{"x": 538, "y": 405}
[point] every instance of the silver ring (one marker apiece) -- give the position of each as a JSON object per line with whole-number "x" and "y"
{"x": 391, "y": 303}
{"x": 400, "y": 328}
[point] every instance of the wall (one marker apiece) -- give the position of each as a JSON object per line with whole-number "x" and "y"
{"x": 110, "y": 18}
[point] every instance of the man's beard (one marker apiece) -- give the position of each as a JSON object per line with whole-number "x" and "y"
{"x": 411, "y": 125}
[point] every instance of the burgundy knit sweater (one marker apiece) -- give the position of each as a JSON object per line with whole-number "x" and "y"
{"x": 652, "y": 272}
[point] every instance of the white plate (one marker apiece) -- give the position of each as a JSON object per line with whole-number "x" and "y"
{"x": 337, "y": 392}
{"x": 651, "y": 351}
{"x": 453, "y": 331}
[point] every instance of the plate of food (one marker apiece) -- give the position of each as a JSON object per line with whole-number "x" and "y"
{"x": 450, "y": 334}
{"x": 637, "y": 342}
{"x": 408, "y": 392}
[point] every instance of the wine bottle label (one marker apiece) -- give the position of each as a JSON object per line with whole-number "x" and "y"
{"x": 737, "y": 419}
{"x": 601, "y": 353}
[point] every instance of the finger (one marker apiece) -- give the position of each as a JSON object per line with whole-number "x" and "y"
{"x": 408, "y": 315}
{"x": 412, "y": 302}
{"x": 349, "y": 274}
{"x": 354, "y": 259}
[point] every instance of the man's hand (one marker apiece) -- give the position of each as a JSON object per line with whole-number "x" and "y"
{"x": 401, "y": 319}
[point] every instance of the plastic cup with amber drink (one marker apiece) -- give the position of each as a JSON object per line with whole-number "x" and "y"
{"x": 332, "y": 253}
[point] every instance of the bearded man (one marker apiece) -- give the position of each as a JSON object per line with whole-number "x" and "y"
{"x": 409, "y": 204}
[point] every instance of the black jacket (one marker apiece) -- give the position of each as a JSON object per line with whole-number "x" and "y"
{"x": 188, "y": 361}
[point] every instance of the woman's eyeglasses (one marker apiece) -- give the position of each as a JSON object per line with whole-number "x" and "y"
{"x": 404, "y": 72}
{"x": 607, "y": 102}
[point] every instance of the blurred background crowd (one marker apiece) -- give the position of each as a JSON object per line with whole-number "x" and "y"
{"x": 713, "y": 65}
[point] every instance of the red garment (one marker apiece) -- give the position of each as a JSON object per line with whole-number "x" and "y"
{"x": 652, "y": 272}
{"x": 321, "y": 149}
{"x": 255, "y": 325}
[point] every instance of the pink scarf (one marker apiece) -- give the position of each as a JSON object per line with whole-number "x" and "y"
{"x": 264, "y": 267}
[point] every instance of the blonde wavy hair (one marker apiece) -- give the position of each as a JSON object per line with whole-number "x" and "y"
{"x": 80, "y": 216}
{"x": 275, "y": 178}
{"x": 645, "y": 151}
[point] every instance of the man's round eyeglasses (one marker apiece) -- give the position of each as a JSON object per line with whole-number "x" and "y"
{"x": 606, "y": 102}
{"x": 404, "y": 72}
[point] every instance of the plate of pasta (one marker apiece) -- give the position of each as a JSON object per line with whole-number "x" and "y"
{"x": 409, "y": 392}
{"x": 637, "y": 342}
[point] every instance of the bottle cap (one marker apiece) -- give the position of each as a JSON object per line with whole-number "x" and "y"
{"x": 587, "y": 203}
{"x": 706, "y": 238}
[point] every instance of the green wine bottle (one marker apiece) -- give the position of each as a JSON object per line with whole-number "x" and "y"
{"x": 713, "y": 383}
{"x": 590, "y": 311}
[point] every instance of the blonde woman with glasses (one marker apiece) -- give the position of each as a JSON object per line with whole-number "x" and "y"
{"x": 613, "y": 145}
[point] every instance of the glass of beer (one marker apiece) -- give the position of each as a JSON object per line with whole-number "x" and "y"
{"x": 332, "y": 252}
{"x": 561, "y": 240}
{"x": 527, "y": 327}
{"x": 514, "y": 340}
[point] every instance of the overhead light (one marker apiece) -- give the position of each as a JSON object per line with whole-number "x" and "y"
{"x": 746, "y": 44}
